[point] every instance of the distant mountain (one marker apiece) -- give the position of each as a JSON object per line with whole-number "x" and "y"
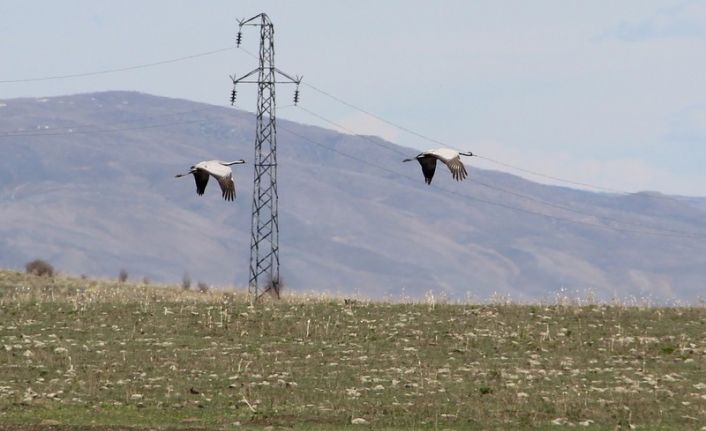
{"x": 100, "y": 195}
{"x": 694, "y": 201}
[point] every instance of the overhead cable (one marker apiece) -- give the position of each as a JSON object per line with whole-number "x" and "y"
{"x": 115, "y": 70}
{"x": 681, "y": 235}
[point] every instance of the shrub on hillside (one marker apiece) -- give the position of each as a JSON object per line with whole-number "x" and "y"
{"x": 203, "y": 287}
{"x": 186, "y": 281}
{"x": 39, "y": 267}
{"x": 122, "y": 276}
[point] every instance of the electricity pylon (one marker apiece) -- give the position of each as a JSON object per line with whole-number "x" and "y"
{"x": 264, "y": 226}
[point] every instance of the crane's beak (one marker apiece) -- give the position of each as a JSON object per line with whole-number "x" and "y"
{"x": 191, "y": 171}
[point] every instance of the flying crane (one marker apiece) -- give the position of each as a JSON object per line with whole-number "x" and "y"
{"x": 450, "y": 157}
{"x": 220, "y": 171}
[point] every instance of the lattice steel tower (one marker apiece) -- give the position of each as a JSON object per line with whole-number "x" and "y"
{"x": 264, "y": 227}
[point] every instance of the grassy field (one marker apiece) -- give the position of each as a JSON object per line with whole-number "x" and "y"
{"x": 94, "y": 353}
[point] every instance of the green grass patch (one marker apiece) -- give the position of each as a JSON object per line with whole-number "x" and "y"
{"x": 89, "y": 353}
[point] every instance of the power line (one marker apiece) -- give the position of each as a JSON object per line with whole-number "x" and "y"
{"x": 331, "y": 96}
{"x": 77, "y": 130}
{"x": 650, "y": 230}
{"x": 436, "y": 141}
{"x": 507, "y": 191}
{"x": 333, "y": 123}
{"x": 119, "y": 69}
{"x": 350, "y": 105}
{"x": 551, "y": 177}
{"x": 494, "y": 203}
{"x": 489, "y": 159}
{"x": 398, "y": 126}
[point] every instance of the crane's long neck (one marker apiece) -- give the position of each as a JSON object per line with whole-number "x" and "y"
{"x": 234, "y": 162}
{"x": 466, "y": 154}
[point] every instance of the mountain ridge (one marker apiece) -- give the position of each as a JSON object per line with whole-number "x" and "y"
{"x": 104, "y": 198}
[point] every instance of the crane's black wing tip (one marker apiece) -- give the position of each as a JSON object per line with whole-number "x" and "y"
{"x": 229, "y": 192}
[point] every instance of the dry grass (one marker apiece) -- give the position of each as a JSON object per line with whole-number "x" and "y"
{"x": 86, "y": 352}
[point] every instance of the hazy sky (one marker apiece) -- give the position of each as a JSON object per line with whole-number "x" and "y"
{"x": 605, "y": 92}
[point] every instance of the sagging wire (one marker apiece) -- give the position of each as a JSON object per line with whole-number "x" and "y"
{"x": 644, "y": 228}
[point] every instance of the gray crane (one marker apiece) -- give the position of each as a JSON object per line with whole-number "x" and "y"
{"x": 450, "y": 157}
{"x": 220, "y": 171}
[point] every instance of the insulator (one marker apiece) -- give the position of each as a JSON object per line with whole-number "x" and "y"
{"x": 233, "y": 94}
{"x": 296, "y": 96}
{"x": 238, "y": 39}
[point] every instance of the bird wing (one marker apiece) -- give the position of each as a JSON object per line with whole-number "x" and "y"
{"x": 458, "y": 170}
{"x": 428, "y": 167}
{"x": 201, "y": 178}
{"x": 444, "y": 154}
{"x": 227, "y": 187}
{"x": 216, "y": 168}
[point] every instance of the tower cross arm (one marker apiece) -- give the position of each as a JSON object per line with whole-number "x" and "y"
{"x": 296, "y": 80}
{"x": 242, "y": 22}
{"x": 247, "y": 75}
